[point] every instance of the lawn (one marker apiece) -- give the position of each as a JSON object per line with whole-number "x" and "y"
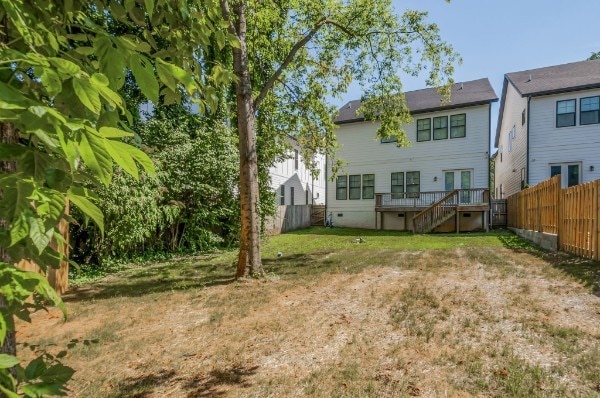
{"x": 341, "y": 313}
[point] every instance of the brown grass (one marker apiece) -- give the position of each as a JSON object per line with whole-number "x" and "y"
{"x": 485, "y": 321}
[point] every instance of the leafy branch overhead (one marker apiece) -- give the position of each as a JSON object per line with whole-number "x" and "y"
{"x": 61, "y": 70}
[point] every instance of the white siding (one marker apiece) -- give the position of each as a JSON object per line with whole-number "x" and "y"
{"x": 367, "y": 155}
{"x": 549, "y": 144}
{"x": 285, "y": 174}
{"x": 516, "y": 158}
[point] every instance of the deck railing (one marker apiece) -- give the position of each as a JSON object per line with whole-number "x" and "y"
{"x": 465, "y": 197}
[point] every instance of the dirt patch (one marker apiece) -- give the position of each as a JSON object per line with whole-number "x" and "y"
{"x": 458, "y": 322}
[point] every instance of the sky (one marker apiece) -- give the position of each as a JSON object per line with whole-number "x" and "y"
{"x": 495, "y": 37}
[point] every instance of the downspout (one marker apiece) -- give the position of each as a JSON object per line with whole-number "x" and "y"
{"x": 326, "y": 186}
{"x": 527, "y": 160}
{"x": 487, "y": 215}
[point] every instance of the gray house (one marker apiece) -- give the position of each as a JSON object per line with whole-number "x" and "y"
{"x": 549, "y": 123}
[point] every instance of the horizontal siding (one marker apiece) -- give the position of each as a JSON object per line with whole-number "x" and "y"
{"x": 363, "y": 154}
{"x": 284, "y": 173}
{"x": 549, "y": 144}
{"x": 515, "y": 159}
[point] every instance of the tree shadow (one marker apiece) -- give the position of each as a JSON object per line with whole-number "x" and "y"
{"x": 154, "y": 279}
{"x": 139, "y": 387}
{"x": 210, "y": 385}
{"x": 200, "y": 385}
{"x": 585, "y": 270}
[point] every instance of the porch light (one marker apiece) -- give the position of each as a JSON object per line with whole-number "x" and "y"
{"x": 592, "y": 168}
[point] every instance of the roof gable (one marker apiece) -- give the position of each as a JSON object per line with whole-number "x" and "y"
{"x": 475, "y": 92}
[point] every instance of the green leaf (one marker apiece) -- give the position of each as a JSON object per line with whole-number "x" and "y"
{"x": 101, "y": 83}
{"x": 221, "y": 40}
{"x": 94, "y": 154}
{"x": 38, "y": 234}
{"x": 43, "y": 389}
{"x": 120, "y": 154}
{"x": 35, "y": 368}
{"x": 65, "y": 67}
{"x": 87, "y": 94}
{"x": 149, "y": 7}
{"x": 19, "y": 229}
{"x": 113, "y": 132}
{"x": 80, "y": 199}
{"x": 143, "y": 159}
{"x": 7, "y": 392}
{"x": 3, "y": 329}
{"x": 57, "y": 374}
{"x": 51, "y": 81}
{"x": 142, "y": 70}
{"x": 8, "y": 361}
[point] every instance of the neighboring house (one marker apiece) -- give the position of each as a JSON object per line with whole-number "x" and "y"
{"x": 548, "y": 124}
{"x": 384, "y": 186}
{"x": 293, "y": 182}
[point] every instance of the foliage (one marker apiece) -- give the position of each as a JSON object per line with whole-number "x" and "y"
{"x": 304, "y": 51}
{"x": 190, "y": 206}
{"x": 59, "y": 75}
{"x": 595, "y": 55}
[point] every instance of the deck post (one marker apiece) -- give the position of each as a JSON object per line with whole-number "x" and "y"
{"x": 457, "y": 222}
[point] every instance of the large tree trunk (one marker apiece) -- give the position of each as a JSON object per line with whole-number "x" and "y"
{"x": 8, "y": 135}
{"x": 249, "y": 261}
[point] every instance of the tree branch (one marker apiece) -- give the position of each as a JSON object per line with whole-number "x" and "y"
{"x": 227, "y": 16}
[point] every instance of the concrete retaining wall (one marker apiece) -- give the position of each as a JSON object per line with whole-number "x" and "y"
{"x": 542, "y": 239}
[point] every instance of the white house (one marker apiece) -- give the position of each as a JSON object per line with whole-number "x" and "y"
{"x": 549, "y": 123}
{"x": 438, "y": 183}
{"x": 293, "y": 182}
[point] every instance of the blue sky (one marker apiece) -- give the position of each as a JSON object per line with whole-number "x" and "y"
{"x": 495, "y": 37}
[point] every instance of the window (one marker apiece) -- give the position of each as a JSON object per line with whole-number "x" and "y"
{"x": 501, "y": 192}
{"x": 413, "y": 184}
{"x": 589, "y": 110}
{"x": 523, "y": 178}
{"x": 388, "y": 140}
{"x": 511, "y": 137}
{"x": 341, "y": 188}
{"x": 397, "y": 185}
{"x": 306, "y": 194}
{"x": 570, "y": 173}
{"x": 440, "y": 128}
{"x": 368, "y": 188}
{"x": 296, "y": 159}
{"x": 565, "y": 113}
{"x": 458, "y": 126}
{"x": 282, "y": 195}
{"x": 423, "y": 130}
{"x": 354, "y": 187}
{"x": 292, "y": 196}
{"x": 523, "y": 116}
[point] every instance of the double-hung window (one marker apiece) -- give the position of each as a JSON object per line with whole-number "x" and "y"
{"x": 440, "y": 128}
{"x": 413, "y": 184}
{"x": 458, "y": 126}
{"x": 398, "y": 185}
{"x": 368, "y": 186}
{"x": 565, "y": 113}
{"x": 589, "y": 112}
{"x": 423, "y": 130}
{"x": 341, "y": 188}
{"x": 354, "y": 185}
{"x": 282, "y": 195}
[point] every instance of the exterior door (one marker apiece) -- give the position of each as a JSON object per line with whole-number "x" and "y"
{"x": 459, "y": 179}
{"x": 570, "y": 173}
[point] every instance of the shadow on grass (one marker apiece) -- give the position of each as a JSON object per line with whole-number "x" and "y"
{"x": 585, "y": 270}
{"x": 154, "y": 279}
{"x": 209, "y": 385}
{"x": 201, "y": 385}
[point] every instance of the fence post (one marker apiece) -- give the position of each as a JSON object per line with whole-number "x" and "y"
{"x": 596, "y": 214}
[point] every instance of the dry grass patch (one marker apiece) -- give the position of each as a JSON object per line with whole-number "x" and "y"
{"x": 340, "y": 320}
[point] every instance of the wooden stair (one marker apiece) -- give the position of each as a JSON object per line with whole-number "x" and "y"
{"x": 436, "y": 214}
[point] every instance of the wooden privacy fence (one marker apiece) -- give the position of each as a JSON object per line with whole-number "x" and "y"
{"x": 536, "y": 208}
{"x": 288, "y": 218}
{"x": 578, "y": 231}
{"x": 571, "y": 214}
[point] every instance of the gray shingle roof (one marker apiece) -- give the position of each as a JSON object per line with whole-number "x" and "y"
{"x": 469, "y": 93}
{"x": 550, "y": 80}
{"x": 554, "y": 79}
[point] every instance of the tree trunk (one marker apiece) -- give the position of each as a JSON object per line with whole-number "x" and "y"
{"x": 8, "y": 135}
{"x": 249, "y": 261}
